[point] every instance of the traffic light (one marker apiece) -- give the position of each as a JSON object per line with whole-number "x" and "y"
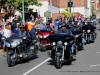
{"x": 70, "y": 4}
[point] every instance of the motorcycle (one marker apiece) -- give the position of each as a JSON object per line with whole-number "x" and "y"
{"x": 17, "y": 49}
{"x": 78, "y": 39}
{"x": 44, "y": 41}
{"x": 61, "y": 50}
{"x": 89, "y": 35}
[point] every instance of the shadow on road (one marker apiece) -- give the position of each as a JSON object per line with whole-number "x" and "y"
{"x": 53, "y": 62}
{"x": 27, "y": 60}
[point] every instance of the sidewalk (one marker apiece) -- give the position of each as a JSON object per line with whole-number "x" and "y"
{"x": 1, "y": 53}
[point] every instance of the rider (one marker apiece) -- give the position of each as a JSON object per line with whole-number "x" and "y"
{"x": 70, "y": 24}
{"x": 76, "y": 27}
{"x": 24, "y": 33}
{"x": 66, "y": 31}
{"x": 48, "y": 26}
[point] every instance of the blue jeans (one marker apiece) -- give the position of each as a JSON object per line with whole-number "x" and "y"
{"x": 56, "y": 28}
{"x": 83, "y": 40}
{"x": 4, "y": 43}
{"x": 15, "y": 30}
{"x": 72, "y": 48}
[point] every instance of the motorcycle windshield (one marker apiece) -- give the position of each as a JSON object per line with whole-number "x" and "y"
{"x": 60, "y": 37}
{"x": 44, "y": 30}
{"x": 89, "y": 27}
{"x": 76, "y": 32}
{"x": 13, "y": 38}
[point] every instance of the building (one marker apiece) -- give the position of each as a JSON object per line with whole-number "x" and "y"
{"x": 82, "y": 7}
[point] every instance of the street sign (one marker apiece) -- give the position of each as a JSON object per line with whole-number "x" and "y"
{"x": 47, "y": 14}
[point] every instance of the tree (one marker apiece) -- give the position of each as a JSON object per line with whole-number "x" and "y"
{"x": 93, "y": 9}
{"x": 66, "y": 13}
{"x": 17, "y": 4}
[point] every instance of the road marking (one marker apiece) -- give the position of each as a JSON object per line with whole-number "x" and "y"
{"x": 36, "y": 66}
{"x": 97, "y": 52}
{"x": 94, "y": 65}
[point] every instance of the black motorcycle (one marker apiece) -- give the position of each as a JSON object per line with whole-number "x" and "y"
{"x": 19, "y": 48}
{"x": 89, "y": 35}
{"x": 61, "y": 50}
{"x": 78, "y": 39}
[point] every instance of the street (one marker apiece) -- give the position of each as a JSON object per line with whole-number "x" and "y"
{"x": 87, "y": 62}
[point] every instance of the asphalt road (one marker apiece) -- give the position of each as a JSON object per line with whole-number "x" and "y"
{"x": 87, "y": 63}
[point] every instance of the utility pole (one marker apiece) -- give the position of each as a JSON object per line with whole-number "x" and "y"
{"x": 23, "y": 18}
{"x": 73, "y": 9}
{"x": 70, "y": 6}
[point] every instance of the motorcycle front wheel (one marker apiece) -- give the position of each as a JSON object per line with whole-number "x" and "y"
{"x": 58, "y": 62}
{"x": 88, "y": 40}
{"x": 9, "y": 60}
{"x": 42, "y": 48}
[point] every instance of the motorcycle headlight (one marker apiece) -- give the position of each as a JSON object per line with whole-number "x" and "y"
{"x": 45, "y": 36}
{"x": 88, "y": 31}
{"x": 53, "y": 43}
{"x": 24, "y": 38}
{"x": 59, "y": 43}
{"x": 76, "y": 36}
{"x": 65, "y": 43}
{"x": 7, "y": 44}
{"x": 14, "y": 44}
{"x": 40, "y": 36}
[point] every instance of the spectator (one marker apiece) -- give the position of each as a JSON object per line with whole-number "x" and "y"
{"x": 30, "y": 25}
{"x": 26, "y": 24}
{"x": 6, "y": 33}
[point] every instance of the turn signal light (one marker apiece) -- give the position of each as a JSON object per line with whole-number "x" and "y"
{"x": 36, "y": 32}
{"x": 52, "y": 32}
{"x": 83, "y": 31}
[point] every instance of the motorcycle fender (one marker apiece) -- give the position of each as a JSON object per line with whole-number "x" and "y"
{"x": 10, "y": 52}
{"x": 58, "y": 54}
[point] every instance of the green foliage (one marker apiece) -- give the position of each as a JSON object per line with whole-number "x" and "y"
{"x": 66, "y": 13}
{"x": 19, "y": 18}
{"x": 93, "y": 10}
{"x": 18, "y": 3}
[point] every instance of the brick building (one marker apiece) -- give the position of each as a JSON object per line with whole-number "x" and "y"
{"x": 57, "y": 6}
{"x": 80, "y": 6}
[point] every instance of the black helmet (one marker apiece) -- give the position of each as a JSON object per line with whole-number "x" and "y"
{"x": 64, "y": 25}
{"x": 75, "y": 22}
{"x": 22, "y": 26}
